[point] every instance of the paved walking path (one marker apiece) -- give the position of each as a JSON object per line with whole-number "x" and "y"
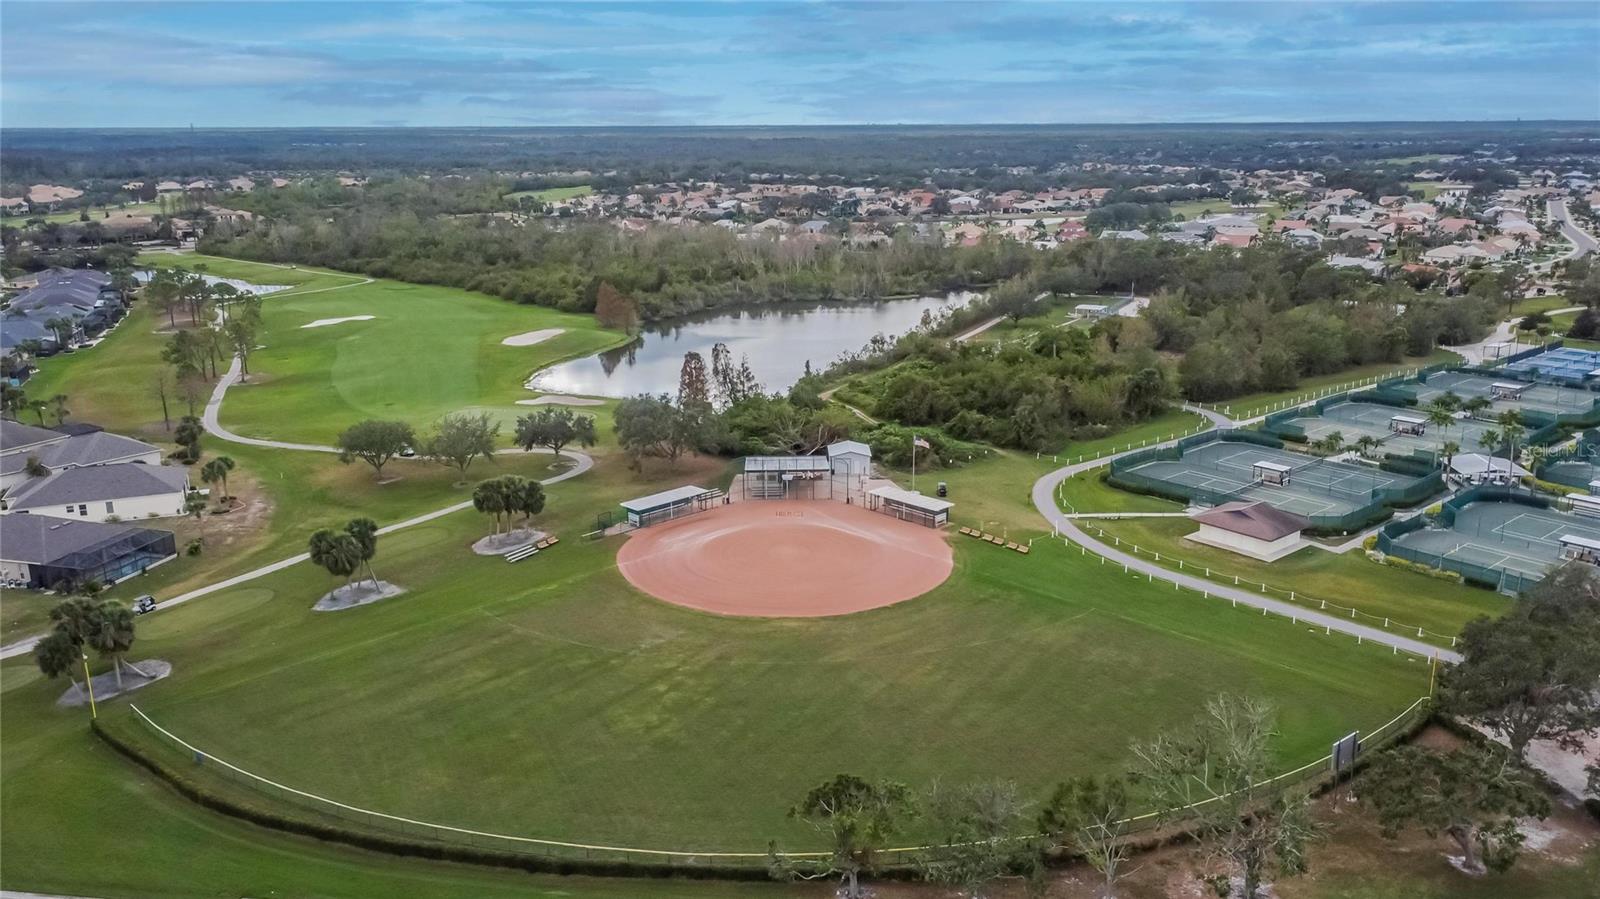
{"x": 1044, "y": 491}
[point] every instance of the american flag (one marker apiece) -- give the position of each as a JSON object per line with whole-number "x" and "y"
{"x": 918, "y": 441}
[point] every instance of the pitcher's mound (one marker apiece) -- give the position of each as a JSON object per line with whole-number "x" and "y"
{"x": 786, "y": 559}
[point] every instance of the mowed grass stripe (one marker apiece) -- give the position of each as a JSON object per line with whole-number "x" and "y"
{"x": 550, "y": 699}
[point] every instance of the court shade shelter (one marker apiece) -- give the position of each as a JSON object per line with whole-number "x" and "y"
{"x": 1275, "y": 474}
{"x": 908, "y": 506}
{"x": 1508, "y": 390}
{"x": 668, "y": 504}
{"x": 1584, "y": 504}
{"x": 1580, "y": 549}
{"x": 1407, "y": 424}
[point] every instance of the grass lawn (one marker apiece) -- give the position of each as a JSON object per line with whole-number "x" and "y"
{"x": 553, "y": 194}
{"x": 96, "y": 213}
{"x": 1347, "y": 579}
{"x": 1430, "y": 189}
{"x": 558, "y": 701}
{"x": 1254, "y": 404}
{"x": 1539, "y": 304}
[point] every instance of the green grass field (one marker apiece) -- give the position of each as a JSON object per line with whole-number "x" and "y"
{"x": 1348, "y": 579}
{"x": 553, "y": 194}
{"x": 559, "y": 702}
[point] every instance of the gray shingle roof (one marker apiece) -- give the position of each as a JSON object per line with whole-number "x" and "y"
{"x": 42, "y": 539}
{"x": 98, "y": 448}
{"x": 98, "y": 482}
{"x": 14, "y": 435}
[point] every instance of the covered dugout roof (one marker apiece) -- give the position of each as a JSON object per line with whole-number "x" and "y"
{"x": 914, "y": 500}
{"x": 663, "y": 499}
{"x": 786, "y": 463}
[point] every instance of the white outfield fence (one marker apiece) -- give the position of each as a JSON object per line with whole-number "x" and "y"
{"x": 414, "y": 830}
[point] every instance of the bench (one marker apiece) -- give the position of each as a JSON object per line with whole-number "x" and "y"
{"x": 1023, "y": 549}
{"x": 988, "y": 537}
{"x": 517, "y": 555}
{"x": 1010, "y": 545}
{"x": 966, "y": 530}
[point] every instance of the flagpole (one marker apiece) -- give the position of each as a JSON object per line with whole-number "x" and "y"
{"x": 913, "y": 462}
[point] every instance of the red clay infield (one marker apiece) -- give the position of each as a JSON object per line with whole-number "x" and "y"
{"x": 786, "y": 559}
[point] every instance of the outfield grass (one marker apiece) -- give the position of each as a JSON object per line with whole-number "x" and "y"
{"x": 1348, "y": 579}
{"x": 1254, "y": 404}
{"x": 554, "y": 700}
{"x": 553, "y": 194}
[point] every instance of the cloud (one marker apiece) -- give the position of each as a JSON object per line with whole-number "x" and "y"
{"x": 774, "y": 63}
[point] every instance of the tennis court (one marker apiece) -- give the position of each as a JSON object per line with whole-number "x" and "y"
{"x": 1504, "y": 536}
{"x": 1357, "y": 420}
{"x": 1568, "y": 363}
{"x": 1315, "y": 486}
{"x": 1552, "y": 398}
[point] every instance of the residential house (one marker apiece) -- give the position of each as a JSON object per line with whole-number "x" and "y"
{"x": 41, "y": 552}
{"x": 23, "y": 446}
{"x": 121, "y": 490}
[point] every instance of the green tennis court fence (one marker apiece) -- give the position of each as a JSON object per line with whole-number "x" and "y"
{"x": 1502, "y": 580}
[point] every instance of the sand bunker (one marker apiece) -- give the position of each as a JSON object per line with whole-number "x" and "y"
{"x": 321, "y": 322}
{"x": 786, "y": 559}
{"x": 561, "y": 399}
{"x": 532, "y": 337}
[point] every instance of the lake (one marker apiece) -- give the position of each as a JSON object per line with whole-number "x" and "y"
{"x": 778, "y": 339}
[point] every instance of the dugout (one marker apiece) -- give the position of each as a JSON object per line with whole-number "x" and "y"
{"x": 787, "y": 477}
{"x": 668, "y": 504}
{"x": 908, "y": 506}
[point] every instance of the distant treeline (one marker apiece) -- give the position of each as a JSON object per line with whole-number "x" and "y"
{"x": 955, "y": 156}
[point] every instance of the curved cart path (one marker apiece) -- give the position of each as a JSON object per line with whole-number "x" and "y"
{"x": 1044, "y": 501}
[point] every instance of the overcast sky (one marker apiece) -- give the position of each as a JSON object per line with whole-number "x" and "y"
{"x": 262, "y": 64}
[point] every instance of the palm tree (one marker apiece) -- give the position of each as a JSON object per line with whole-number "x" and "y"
{"x": 489, "y": 499}
{"x": 1512, "y": 431}
{"x": 56, "y": 655}
{"x": 1332, "y": 443}
{"x": 39, "y": 407}
{"x": 1475, "y": 405}
{"x": 1449, "y": 449}
{"x": 1367, "y": 443}
{"x": 335, "y": 551}
{"x": 1440, "y": 416}
{"x": 365, "y": 533}
{"x": 58, "y": 408}
{"x": 114, "y": 636}
{"x": 194, "y": 504}
{"x": 217, "y": 470}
